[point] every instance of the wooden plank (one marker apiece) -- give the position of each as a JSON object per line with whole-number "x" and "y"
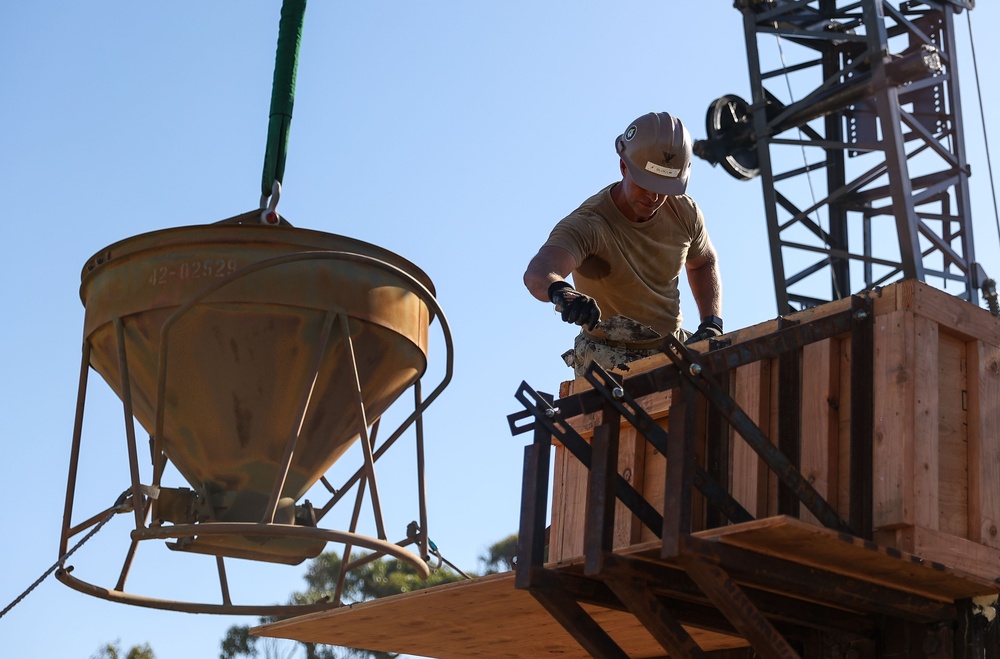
{"x": 569, "y": 493}
{"x": 749, "y": 475}
{"x": 984, "y": 443}
{"x": 771, "y": 481}
{"x": 655, "y": 404}
{"x": 569, "y": 489}
{"x": 950, "y": 441}
{"x": 804, "y": 316}
{"x": 960, "y": 555}
{"x": 892, "y": 490}
{"x": 843, "y": 405}
{"x": 925, "y": 428}
{"x": 487, "y": 617}
{"x": 820, "y": 421}
{"x": 653, "y": 484}
{"x": 483, "y": 617}
{"x": 959, "y": 317}
{"x": 730, "y": 599}
{"x": 957, "y": 577}
{"x": 631, "y": 465}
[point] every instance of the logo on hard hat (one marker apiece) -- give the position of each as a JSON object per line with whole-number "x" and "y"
{"x": 630, "y": 133}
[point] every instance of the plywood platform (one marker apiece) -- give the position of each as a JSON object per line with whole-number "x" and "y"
{"x": 487, "y": 617}
{"x": 483, "y": 617}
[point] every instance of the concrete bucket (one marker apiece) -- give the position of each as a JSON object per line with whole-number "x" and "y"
{"x": 254, "y": 356}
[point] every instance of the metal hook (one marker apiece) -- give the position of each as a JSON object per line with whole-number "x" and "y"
{"x": 269, "y": 214}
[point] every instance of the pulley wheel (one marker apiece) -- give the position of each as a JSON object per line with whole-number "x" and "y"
{"x": 729, "y": 123}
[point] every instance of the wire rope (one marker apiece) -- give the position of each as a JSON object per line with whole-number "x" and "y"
{"x": 982, "y": 116}
{"x": 118, "y": 508}
{"x": 805, "y": 163}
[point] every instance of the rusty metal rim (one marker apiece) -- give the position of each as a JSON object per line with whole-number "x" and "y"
{"x": 121, "y": 597}
{"x": 247, "y": 234}
{"x": 379, "y": 547}
{"x": 282, "y": 531}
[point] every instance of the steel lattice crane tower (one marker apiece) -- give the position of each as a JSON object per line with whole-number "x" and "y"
{"x": 865, "y": 176}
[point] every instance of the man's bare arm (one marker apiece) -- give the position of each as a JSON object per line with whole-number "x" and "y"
{"x": 706, "y": 283}
{"x": 549, "y": 265}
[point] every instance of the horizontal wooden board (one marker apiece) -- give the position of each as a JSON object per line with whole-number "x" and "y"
{"x": 483, "y": 617}
{"x": 800, "y": 542}
{"x": 488, "y": 617}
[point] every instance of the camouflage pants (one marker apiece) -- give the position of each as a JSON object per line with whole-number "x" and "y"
{"x": 615, "y": 357}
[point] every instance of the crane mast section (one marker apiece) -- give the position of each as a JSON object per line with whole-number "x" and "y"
{"x": 855, "y": 129}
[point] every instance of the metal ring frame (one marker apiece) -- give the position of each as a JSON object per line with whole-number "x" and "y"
{"x": 365, "y": 475}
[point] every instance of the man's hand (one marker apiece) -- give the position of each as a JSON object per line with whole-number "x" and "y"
{"x": 576, "y": 308}
{"x": 711, "y": 327}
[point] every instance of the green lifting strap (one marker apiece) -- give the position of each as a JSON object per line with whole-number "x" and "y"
{"x": 282, "y": 93}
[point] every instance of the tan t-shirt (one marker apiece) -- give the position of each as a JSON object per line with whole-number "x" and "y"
{"x": 632, "y": 268}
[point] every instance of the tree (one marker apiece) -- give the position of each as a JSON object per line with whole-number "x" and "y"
{"x": 500, "y": 556}
{"x": 114, "y": 651}
{"x": 369, "y": 581}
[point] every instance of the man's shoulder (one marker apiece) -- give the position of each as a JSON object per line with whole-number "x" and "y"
{"x": 594, "y": 208}
{"x": 683, "y": 203}
{"x": 685, "y": 209}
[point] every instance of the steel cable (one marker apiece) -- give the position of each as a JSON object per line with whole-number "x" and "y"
{"x": 982, "y": 115}
{"x": 118, "y": 508}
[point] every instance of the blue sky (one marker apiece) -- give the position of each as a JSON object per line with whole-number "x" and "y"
{"x": 453, "y": 133}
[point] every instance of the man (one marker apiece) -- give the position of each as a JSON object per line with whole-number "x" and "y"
{"x": 626, "y": 247}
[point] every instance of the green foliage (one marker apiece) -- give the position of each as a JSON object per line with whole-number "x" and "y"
{"x": 500, "y": 556}
{"x": 114, "y": 651}
{"x": 238, "y": 642}
{"x": 372, "y": 580}
{"x": 369, "y": 581}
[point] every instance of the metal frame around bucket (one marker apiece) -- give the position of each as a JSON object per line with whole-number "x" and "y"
{"x": 138, "y": 497}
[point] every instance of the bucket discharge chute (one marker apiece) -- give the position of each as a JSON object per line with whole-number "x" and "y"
{"x": 255, "y": 357}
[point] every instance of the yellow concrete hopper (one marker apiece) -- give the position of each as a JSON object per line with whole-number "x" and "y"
{"x": 255, "y": 356}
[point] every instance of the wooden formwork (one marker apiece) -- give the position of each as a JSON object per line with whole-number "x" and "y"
{"x": 845, "y": 457}
{"x": 935, "y": 426}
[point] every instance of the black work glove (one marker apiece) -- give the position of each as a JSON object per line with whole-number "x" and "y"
{"x": 576, "y": 308}
{"x": 711, "y": 327}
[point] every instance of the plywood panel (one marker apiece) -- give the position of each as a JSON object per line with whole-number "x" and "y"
{"x": 749, "y": 474}
{"x": 926, "y": 377}
{"x": 892, "y": 490}
{"x": 799, "y": 542}
{"x": 654, "y": 479}
{"x": 964, "y": 320}
{"x": 958, "y": 554}
{"x": 569, "y": 494}
{"x": 984, "y": 443}
{"x": 820, "y": 420}
{"x": 487, "y": 617}
{"x": 844, "y": 426}
{"x": 631, "y": 454}
{"x": 484, "y": 617}
{"x": 950, "y": 441}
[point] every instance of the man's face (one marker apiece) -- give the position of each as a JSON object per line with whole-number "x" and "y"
{"x": 640, "y": 203}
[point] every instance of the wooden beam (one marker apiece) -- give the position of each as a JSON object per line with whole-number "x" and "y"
{"x": 737, "y": 607}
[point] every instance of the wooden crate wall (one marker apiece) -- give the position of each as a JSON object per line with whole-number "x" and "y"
{"x": 936, "y": 487}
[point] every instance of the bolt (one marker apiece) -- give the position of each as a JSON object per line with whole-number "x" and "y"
{"x": 617, "y": 393}
{"x": 551, "y": 412}
{"x": 861, "y": 314}
{"x": 695, "y": 369}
